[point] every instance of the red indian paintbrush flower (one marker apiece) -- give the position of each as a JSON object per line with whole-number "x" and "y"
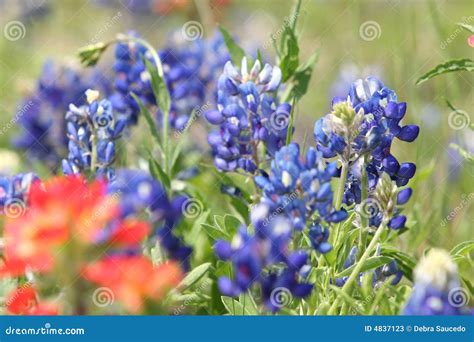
{"x": 24, "y": 301}
{"x": 134, "y": 279}
{"x": 64, "y": 211}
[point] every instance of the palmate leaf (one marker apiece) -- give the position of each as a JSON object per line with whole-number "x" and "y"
{"x": 465, "y": 64}
{"x": 289, "y": 53}
{"x": 299, "y": 86}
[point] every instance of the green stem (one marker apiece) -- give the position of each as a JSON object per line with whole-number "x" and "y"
{"x": 342, "y": 183}
{"x": 339, "y": 195}
{"x": 165, "y": 111}
{"x": 363, "y": 218}
{"x": 358, "y": 267}
{"x": 93, "y": 150}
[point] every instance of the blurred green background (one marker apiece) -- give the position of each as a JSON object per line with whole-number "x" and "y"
{"x": 410, "y": 38}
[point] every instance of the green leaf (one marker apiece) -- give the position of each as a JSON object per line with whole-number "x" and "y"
{"x": 289, "y": 53}
{"x": 194, "y": 276}
{"x": 90, "y": 54}
{"x": 289, "y": 132}
{"x": 248, "y": 302}
{"x": 236, "y": 308}
{"x": 158, "y": 85}
{"x": 235, "y": 51}
{"x": 149, "y": 119}
{"x": 462, "y": 248}
{"x": 370, "y": 263}
{"x": 215, "y": 233}
{"x": 465, "y": 64}
{"x": 467, "y": 27}
{"x": 232, "y": 224}
{"x": 404, "y": 261}
{"x": 158, "y": 173}
{"x": 301, "y": 78}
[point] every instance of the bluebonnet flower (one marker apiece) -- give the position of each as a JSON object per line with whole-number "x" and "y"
{"x": 14, "y": 193}
{"x": 299, "y": 187}
{"x": 247, "y": 114}
{"x": 190, "y": 68}
{"x": 41, "y": 115}
{"x": 92, "y": 131}
{"x": 379, "y": 275}
{"x": 437, "y": 290}
{"x": 131, "y": 76}
{"x": 139, "y": 192}
{"x": 256, "y": 257}
{"x": 365, "y": 124}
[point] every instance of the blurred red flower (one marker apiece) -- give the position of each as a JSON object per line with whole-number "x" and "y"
{"x": 133, "y": 279}
{"x": 23, "y": 301}
{"x": 63, "y": 212}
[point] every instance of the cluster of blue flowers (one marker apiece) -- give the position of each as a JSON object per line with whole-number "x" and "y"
{"x": 41, "y": 115}
{"x": 364, "y": 125}
{"x": 247, "y": 113}
{"x": 255, "y": 258}
{"x": 437, "y": 289}
{"x": 299, "y": 187}
{"x": 14, "y": 191}
{"x": 131, "y": 76}
{"x": 92, "y": 131}
{"x": 190, "y": 68}
{"x": 138, "y": 193}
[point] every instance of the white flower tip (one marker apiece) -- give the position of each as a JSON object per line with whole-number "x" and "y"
{"x": 92, "y": 95}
